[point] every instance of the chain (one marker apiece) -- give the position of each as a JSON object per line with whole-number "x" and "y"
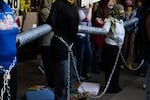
{"x": 133, "y": 68}
{"x": 110, "y": 77}
{"x": 70, "y": 53}
{"x": 6, "y": 78}
{"x": 77, "y": 73}
{"x": 71, "y": 56}
{"x": 68, "y": 67}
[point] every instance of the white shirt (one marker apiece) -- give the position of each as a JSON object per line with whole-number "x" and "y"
{"x": 82, "y": 16}
{"x": 116, "y": 38}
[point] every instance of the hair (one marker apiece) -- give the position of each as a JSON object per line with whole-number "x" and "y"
{"x": 136, "y": 1}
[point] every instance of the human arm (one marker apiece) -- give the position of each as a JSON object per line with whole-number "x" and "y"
{"x": 96, "y": 30}
{"x": 89, "y": 15}
{"x": 131, "y": 21}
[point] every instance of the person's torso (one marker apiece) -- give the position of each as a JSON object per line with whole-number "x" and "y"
{"x": 66, "y": 21}
{"x": 116, "y": 38}
{"x": 8, "y": 32}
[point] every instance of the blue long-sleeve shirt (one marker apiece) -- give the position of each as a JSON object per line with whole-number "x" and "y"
{"x": 8, "y": 32}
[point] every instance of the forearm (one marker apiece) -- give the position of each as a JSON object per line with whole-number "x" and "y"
{"x": 89, "y": 15}
{"x": 130, "y": 22}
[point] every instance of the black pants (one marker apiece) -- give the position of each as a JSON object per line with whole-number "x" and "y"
{"x": 109, "y": 54}
{"x": 12, "y": 84}
{"x": 96, "y": 61}
{"x": 47, "y": 62}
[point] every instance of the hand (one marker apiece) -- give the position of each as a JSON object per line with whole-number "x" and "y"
{"x": 99, "y": 20}
{"x": 17, "y": 41}
{"x": 90, "y": 5}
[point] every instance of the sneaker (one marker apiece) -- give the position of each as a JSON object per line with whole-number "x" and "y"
{"x": 89, "y": 75}
{"x": 144, "y": 86}
{"x": 83, "y": 78}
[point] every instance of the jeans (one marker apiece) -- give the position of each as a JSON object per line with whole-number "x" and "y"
{"x": 61, "y": 76}
{"x": 84, "y": 54}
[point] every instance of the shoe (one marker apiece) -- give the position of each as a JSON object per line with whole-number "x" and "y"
{"x": 83, "y": 78}
{"x": 89, "y": 75}
{"x": 117, "y": 90}
{"x": 144, "y": 86}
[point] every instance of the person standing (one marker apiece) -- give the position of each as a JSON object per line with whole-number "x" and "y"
{"x": 83, "y": 42}
{"x": 98, "y": 40}
{"x": 8, "y": 51}
{"x": 114, "y": 30}
{"x": 128, "y": 48}
{"x": 44, "y": 11}
{"x": 64, "y": 20}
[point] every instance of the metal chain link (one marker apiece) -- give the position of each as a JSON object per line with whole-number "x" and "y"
{"x": 110, "y": 77}
{"x": 77, "y": 73}
{"x": 68, "y": 63}
{"x": 70, "y": 53}
{"x": 6, "y": 78}
{"x": 133, "y": 68}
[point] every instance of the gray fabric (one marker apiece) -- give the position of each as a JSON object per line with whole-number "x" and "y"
{"x": 44, "y": 13}
{"x": 45, "y": 6}
{"x": 45, "y": 3}
{"x": 46, "y": 39}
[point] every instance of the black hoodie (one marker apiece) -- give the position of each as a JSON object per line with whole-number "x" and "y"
{"x": 64, "y": 20}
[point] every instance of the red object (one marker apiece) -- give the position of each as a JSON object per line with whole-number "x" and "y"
{"x": 18, "y": 22}
{"x": 99, "y": 39}
{"x": 128, "y": 3}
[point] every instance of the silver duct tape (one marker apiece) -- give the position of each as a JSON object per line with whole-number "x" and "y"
{"x": 132, "y": 21}
{"x": 96, "y": 30}
{"x": 91, "y": 30}
{"x": 33, "y": 34}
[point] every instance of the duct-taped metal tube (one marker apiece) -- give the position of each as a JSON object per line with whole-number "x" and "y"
{"x": 130, "y": 22}
{"x": 91, "y": 30}
{"x": 33, "y": 34}
{"x": 96, "y": 30}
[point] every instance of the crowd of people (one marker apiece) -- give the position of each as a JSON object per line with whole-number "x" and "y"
{"x": 67, "y": 54}
{"x": 97, "y": 51}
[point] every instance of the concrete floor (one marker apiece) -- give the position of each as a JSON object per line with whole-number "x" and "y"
{"x": 29, "y": 75}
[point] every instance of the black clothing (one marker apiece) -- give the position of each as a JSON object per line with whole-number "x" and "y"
{"x": 109, "y": 54}
{"x": 64, "y": 20}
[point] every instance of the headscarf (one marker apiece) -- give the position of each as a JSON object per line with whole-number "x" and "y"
{"x": 116, "y": 14}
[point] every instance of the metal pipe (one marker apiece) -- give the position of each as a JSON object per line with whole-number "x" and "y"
{"x": 96, "y": 30}
{"x": 35, "y": 33}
